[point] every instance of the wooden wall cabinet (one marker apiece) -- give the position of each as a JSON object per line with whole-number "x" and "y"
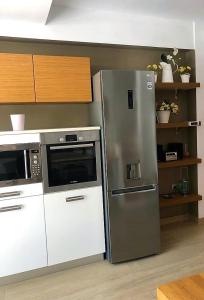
{"x": 29, "y": 78}
{"x": 16, "y": 78}
{"x": 62, "y": 79}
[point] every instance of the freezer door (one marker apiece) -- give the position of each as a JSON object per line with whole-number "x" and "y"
{"x": 129, "y": 128}
{"x": 134, "y": 223}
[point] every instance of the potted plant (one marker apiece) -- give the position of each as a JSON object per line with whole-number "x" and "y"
{"x": 164, "y": 110}
{"x": 184, "y": 72}
{"x": 156, "y": 69}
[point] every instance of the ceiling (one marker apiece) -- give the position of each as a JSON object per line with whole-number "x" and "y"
{"x": 185, "y": 9}
{"x": 38, "y": 10}
{"x": 25, "y": 10}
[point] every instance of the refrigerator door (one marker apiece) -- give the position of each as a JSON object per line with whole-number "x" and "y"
{"x": 129, "y": 128}
{"x": 134, "y": 223}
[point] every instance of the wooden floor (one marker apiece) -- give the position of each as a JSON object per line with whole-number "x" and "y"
{"x": 182, "y": 255}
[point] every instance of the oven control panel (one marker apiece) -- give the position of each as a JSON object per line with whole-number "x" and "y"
{"x": 35, "y": 163}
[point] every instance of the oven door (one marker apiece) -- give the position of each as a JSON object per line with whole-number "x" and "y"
{"x": 71, "y": 166}
{"x": 14, "y": 164}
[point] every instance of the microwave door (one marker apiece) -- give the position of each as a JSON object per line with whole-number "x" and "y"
{"x": 12, "y": 166}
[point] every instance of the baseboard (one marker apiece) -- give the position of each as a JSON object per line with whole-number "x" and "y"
{"x": 201, "y": 221}
{"x": 175, "y": 219}
{"x": 52, "y": 269}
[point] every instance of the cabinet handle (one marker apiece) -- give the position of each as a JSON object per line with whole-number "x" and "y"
{"x": 76, "y": 198}
{"x": 10, "y": 194}
{"x": 10, "y": 208}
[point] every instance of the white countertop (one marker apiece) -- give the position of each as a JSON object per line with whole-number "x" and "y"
{"x": 49, "y": 130}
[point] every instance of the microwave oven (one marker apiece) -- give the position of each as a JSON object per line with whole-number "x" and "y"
{"x": 20, "y": 164}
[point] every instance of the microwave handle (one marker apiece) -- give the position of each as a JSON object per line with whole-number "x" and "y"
{"x": 25, "y": 163}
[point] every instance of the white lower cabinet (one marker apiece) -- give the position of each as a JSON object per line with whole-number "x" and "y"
{"x": 22, "y": 235}
{"x": 74, "y": 224}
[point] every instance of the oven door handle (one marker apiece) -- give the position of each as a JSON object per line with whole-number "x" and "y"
{"x": 71, "y": 146}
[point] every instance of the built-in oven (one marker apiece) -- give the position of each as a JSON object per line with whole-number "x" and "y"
{"x": 20, "y": 164}
{"x": 70, "y": 160}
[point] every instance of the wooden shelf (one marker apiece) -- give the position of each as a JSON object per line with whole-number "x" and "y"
{"x": 183, "y": 124}
{"x": 179, "y": 200}
{"x": 179, "y": 163}
{"x": 176, "y": 85}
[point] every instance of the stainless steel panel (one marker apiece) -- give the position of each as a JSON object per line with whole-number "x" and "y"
{"x": 129, "y": 128}
{"x": 60, "y": 137}
{"x": 14, "y": 147}
{"x": 134, "y": 225}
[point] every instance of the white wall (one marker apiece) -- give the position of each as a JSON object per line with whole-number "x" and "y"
{"x": 105, "y": 27}
{"x": 127, "y": 29}
{"x": 199, "y": 51}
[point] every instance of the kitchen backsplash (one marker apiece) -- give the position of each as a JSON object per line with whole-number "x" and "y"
{"x": 46, "y": 115}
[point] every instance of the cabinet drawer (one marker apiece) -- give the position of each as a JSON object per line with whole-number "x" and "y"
{"x": 23, "y": 239}
{"x": 20, "y": 191}
{"x": 74, "y": 224}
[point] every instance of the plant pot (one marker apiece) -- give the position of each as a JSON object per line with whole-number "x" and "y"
{"x": 163, "y": 116}
{"x": 167, "y": 75}
{"x": 185, "y": 78}
{"x": 18, "y": 121}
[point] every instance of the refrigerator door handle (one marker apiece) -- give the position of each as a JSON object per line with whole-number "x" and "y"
{"x": 139, "y": 189}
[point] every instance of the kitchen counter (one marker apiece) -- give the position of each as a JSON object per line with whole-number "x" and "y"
{"x": 49, "y": 130}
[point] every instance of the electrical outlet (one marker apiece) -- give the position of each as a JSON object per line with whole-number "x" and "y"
{"x": 173, "y": 187}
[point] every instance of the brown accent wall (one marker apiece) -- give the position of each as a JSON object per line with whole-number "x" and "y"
{"x": 102, "y": 57}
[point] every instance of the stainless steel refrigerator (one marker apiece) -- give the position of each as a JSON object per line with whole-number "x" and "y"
{"x": 124, "y": 107}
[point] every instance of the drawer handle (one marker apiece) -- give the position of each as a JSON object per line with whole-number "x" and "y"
{"x": 76, "y": 198}
{"x": 10, "y": 194}
{"x": 10, "y": 208}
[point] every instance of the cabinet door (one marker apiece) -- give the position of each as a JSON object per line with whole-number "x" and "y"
{"x": 22, "y": 232}
{"x": 16, "y": 77}
{"x": 74, "y": 224}
{"x": 62, "y": 79}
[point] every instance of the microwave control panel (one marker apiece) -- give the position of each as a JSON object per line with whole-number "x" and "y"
{"x": 35, "y": 163}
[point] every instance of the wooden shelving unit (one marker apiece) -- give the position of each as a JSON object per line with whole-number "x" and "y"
{"x": 178, "y": 205}
{"x": 179, "y": 200}
{"x": 176, "y": 86}
{"x": 179, "y": 163}
{"x": 183, "y": 124}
